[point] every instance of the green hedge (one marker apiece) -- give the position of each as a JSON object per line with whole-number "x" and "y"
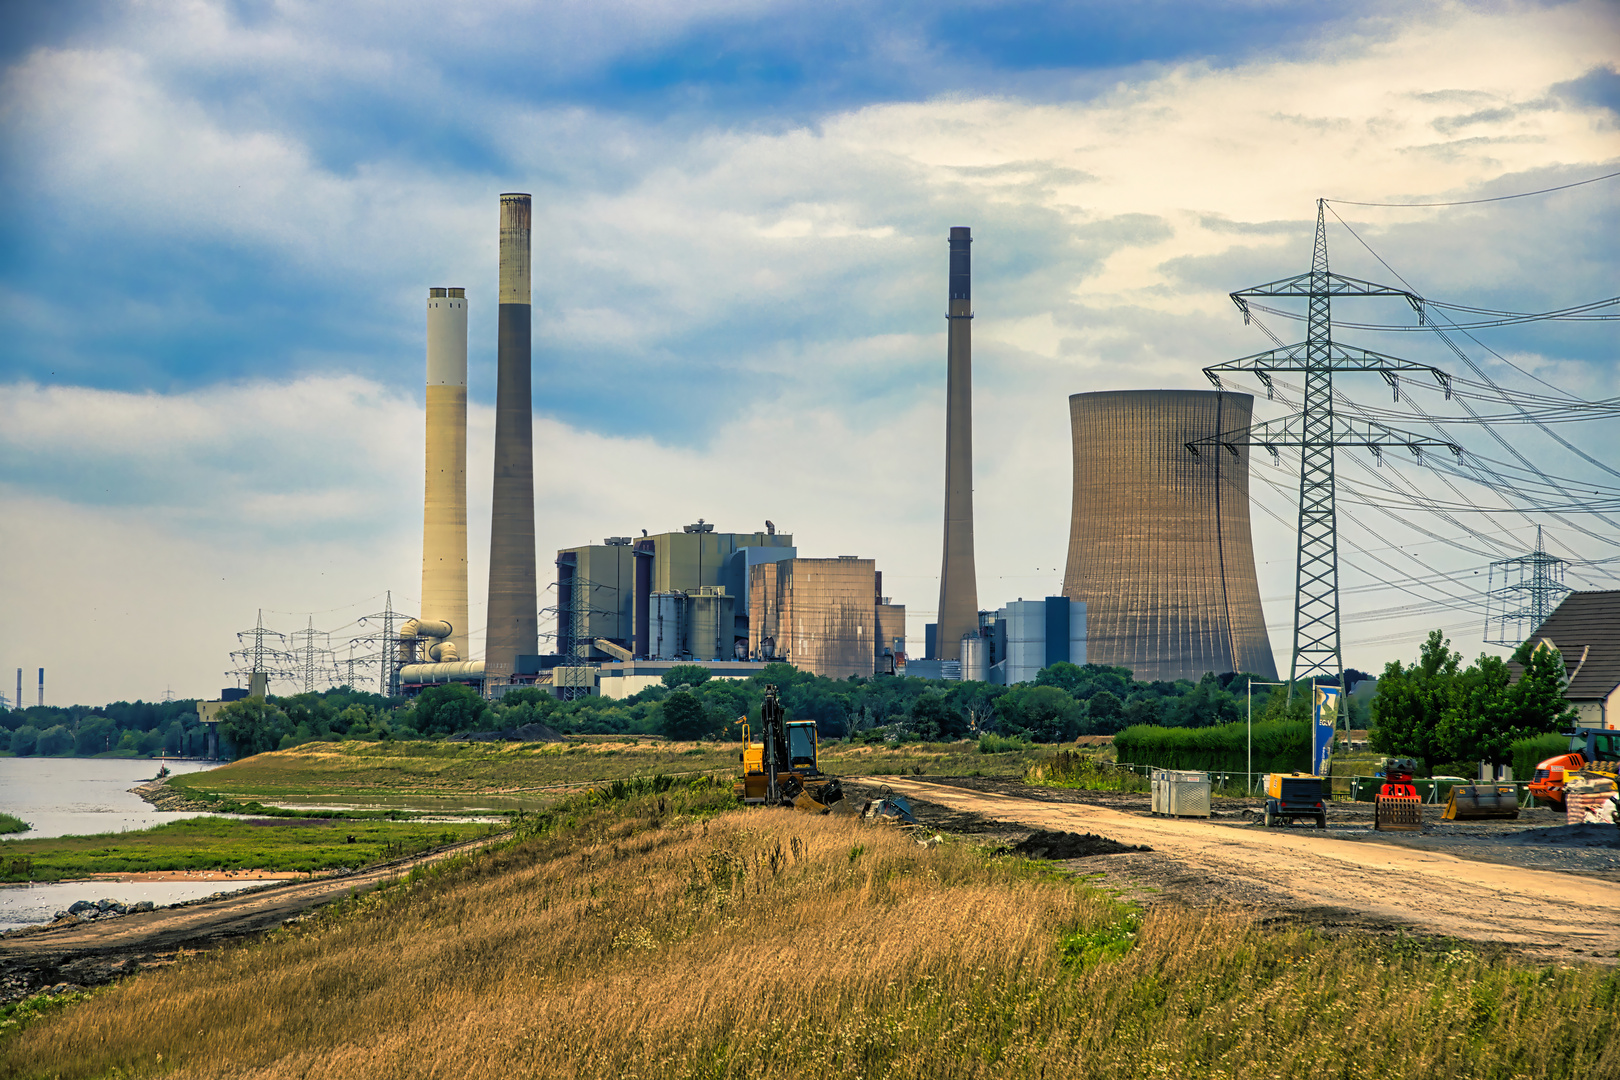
{"x": 1279, "y": 746}
{"x": 1525, "y": 753}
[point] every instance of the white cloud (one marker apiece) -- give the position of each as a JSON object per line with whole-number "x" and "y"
{"x": 794, "y": 277}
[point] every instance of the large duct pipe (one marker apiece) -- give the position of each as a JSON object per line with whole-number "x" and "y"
{"x": 958, "y": 580}
{"x": 444, "y": 504}
{"x": 644, "y": 566}
{"x": 513, "y": 628}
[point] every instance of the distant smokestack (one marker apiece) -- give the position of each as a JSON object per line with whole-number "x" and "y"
{"x": 444, "y": 506}
{"x": 513, "y": 628}
{"x": 958, "y": 580}
{"x": 18, "y": 702}
{"x": 42, "y": 688}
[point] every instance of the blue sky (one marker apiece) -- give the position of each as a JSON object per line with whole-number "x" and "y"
{"x": 222, "y": 217}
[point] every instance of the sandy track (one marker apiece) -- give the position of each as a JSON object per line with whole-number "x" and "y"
{"x": 1301, "y": 869}
{"x": 104, "y": 949}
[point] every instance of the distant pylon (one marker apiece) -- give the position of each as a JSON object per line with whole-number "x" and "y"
{"x": 1530, "y": 587}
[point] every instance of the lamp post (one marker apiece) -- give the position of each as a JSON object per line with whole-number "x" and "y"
{"x": 1248, "y": 692}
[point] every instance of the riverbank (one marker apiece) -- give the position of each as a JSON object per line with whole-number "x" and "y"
{"x": 603, "y": 942}
{"x": 224, "y": 845}
{"x": 445, "y": 777}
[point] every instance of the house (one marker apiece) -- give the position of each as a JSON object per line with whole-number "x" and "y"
{"x": 1585, "y": 629}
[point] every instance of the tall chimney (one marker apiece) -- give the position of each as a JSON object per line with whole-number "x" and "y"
{"x": 958, "y": 581}
{"x": 514, "y": 621}
{"x": 42, "y": 688}
{"x": 444, "y": 504}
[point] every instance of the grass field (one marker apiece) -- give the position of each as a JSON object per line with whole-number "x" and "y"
{"x": 227, "y": 844}
{"x": 528, "y": 776}
{"x": 664, "y": 936}
{"x": 10, "y": 823}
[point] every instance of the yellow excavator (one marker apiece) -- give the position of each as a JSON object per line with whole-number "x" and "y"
{"x": 781, "y": 768}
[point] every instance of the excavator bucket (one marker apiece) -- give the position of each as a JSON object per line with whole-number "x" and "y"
{"x": 1469, "y": 802}
{"x": 1398, "y": 813}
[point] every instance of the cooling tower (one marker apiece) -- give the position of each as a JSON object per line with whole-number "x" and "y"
{"x": 1159, "y": 545}
{"x": 513, "y": 627}
{"x": 444, "y": 504}
{"x": 958, "y": 582}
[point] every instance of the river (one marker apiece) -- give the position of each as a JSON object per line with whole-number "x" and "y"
{"x": 84, "y": 797}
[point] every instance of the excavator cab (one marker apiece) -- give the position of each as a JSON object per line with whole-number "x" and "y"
{"x": 783, "y": 767}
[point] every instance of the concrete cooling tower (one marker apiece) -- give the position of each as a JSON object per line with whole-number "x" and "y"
{"x": 1159, "y": 544}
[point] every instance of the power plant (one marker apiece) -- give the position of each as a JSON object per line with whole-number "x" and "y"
{"x": 1159, "y": 543}
{"x": 958, "y": 580}
{"x": 513, "y": 628}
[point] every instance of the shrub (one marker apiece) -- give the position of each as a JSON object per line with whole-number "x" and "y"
{"x": 990, "y": 743}
{"x": 1525, "y": 753}
{"x": 1279, "y": 746}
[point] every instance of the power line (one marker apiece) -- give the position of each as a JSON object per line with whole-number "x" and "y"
{"x": 1475, "y": 202}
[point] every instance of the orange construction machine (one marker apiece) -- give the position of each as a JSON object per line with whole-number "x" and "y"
{"x": 1398, "y": 808}
{"x": 1589, "y": 748}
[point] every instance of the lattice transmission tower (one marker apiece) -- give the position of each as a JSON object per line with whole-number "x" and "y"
{"x": 308, "y": 656}
{"x": 261, "y": 655}
{"x": 1530, "y": 587}
{"x": 1317, "y": 431}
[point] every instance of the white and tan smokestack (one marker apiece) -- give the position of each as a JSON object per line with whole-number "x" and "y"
{"x": 444, "y": 510}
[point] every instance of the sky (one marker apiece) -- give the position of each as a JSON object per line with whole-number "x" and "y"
{"x": 222, "y": 219}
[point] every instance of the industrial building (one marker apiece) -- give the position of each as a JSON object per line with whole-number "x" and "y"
{"x": 821, "y": 615}
{"x": 1159, "y": 545}
{"x": 1013, "y": 643}
{"x": 674, "y": 595}
{"x": 722, "y": 599}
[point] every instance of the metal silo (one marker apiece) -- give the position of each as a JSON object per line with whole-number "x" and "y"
{"x": 975, "y": 658}
{"x": 1159, "y": 543}
{"x": 666, "y": 635}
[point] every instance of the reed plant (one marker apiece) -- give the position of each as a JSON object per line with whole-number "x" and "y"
{"x": 662, "y": 936}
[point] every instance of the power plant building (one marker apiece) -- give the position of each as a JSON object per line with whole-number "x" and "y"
{"x": 1160, "y": 551}
{"x": 820, "y": 615}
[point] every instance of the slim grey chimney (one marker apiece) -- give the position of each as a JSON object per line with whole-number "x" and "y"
{"x": 514, "y": 622}
{"x": 958, "y": 580}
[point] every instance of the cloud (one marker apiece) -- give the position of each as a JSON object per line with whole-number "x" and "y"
{"x": 214, "y": 285}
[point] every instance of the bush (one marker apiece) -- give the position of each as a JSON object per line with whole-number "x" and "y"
{"x": 1525, "y": 753}
{"x": 1279, "y": 746}
{"x": 55, "y": 740}
{"x": 999, "y": 744}
{"x": 684, "y": 716}
{"x": 1067, "y": 768}
{"x": 24, "y": 740}
{"x": 686, "y": 675}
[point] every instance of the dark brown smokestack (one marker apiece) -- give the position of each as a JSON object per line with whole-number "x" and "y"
{"x": 958, "y": 580}
{"x": 514, "y": 626}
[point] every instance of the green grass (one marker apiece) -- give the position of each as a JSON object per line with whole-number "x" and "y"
{"x": 228, "y": 844}
{"x": 10, "y": 824}
{"x": 532, "y": 776}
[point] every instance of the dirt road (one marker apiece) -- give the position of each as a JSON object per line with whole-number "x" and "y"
{"x": 104, "y": 949}
{"x": 1340, "y": 883}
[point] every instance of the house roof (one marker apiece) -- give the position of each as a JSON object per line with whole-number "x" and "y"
{"x": 1585, "y": 629}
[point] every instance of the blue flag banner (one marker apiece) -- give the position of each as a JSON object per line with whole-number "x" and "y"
{"x": 1325, "y": 717}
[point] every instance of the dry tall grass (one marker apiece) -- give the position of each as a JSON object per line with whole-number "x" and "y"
{"x": 639, "y": 938}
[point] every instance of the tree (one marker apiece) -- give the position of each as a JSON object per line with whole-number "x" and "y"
{"x": 97, "y": 734}
{"x": 444, "y": 710}
{"x": 1107, "y": 713}
{"x": 1411, "y": 702}
{"x": 684, "y": 717}
{"x": 1491, "y": 710}
{"x": 686, "y": 675}
{"x": 976, "y": 701}
{"x": 53, "y": 741}
{"x": 1143, "y": 709}
{"x": 24, "y": 740}
{"x": 253, "y": 726}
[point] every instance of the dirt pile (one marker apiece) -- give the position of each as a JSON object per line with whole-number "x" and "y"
{"x": 1069, "y": 845}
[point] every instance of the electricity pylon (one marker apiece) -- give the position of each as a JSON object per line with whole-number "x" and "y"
{"x": 1531, "y": 586}
{"x": 1317, "y": 431}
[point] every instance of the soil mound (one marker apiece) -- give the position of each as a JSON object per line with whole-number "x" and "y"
{"x": 1599, "y": 836}
{"x": 1068, "y": 845}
